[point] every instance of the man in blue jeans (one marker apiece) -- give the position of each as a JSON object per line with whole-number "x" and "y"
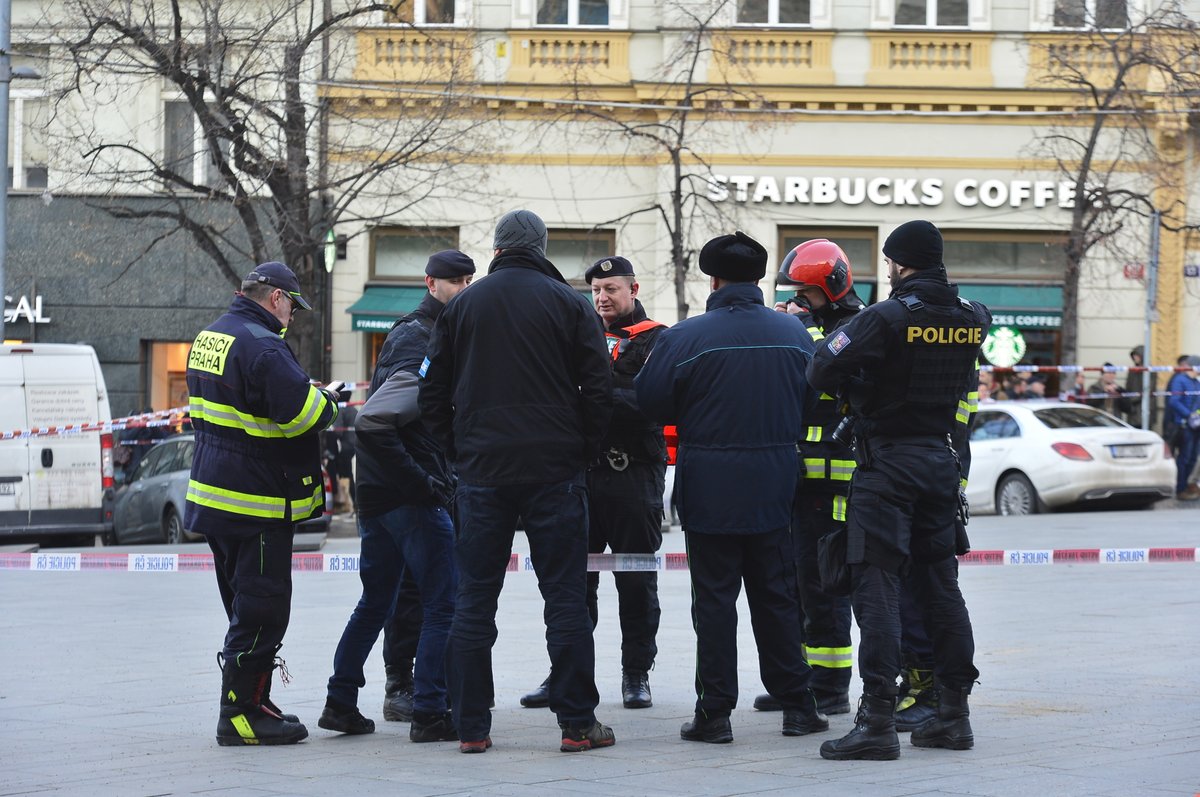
{"x": 517, "y": 389}
{"x": 405, "y": 487}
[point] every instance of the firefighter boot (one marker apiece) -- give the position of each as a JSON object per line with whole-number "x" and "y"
{"x": 284, "y": 678}
{"x": 952, "y": 727}
{"x": 244, "y": 719}
{"x": 919, "y": 706}
{"x": 398, "y": 693}
{"x": 873, "y": 737}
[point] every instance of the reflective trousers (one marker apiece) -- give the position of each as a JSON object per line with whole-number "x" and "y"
{"x": 254, "y": 576}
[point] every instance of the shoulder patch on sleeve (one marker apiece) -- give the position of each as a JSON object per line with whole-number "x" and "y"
{"x": 838, "y": 342}
{"x": 424, "y": 367}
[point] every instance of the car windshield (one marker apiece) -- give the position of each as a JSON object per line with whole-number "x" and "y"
{"x": 1075, "y": 418}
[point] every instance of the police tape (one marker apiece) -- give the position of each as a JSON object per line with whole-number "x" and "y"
{"x": 46, "y": 561}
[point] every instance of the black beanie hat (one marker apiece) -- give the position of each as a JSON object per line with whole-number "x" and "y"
{"x": 737, "y": 258}
{"x": 915, "y": 244}
{"x": 449, "y": 263}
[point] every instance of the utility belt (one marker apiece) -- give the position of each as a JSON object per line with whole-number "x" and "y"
{"x": 619, "y": 459}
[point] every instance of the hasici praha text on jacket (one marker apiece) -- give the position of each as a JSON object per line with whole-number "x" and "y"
{"x": 257, "y": 461}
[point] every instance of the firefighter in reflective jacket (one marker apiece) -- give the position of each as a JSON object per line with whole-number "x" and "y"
{"x": 825, "y": 300}
{"x": 904, "y": 365}
{"x": 625, "y": 486}
{"x": 256, "y": 472}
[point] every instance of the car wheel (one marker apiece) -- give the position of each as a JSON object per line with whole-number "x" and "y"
{"x": 173, "y": 528}
{"x": 1015, "y": 496}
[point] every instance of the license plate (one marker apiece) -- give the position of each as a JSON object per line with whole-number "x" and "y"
{"x": 1129, "y": 452}
{"x": 8, "y": 488}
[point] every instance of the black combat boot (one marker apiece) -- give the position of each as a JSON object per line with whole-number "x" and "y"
{"x": 714, "y": 730}
{"x": 873, "y": 737}
{"x": 804, "y": 719}
{"x": 952, "y": 727}
{"x": 635, "y": 689}
{"x": 538, "y": 698}
{"x": 398, "y": 693}
{"x": 244, "y": 719}
{"x": 919, "y": 706}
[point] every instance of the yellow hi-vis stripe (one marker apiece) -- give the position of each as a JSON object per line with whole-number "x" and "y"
{"x": 839, "y": 508}
{"x": 833, "y": 658}
{"x": 967, "y": 407}
{"x": 233, "y": 418}
{"x": 840, "y": 470}
{"x": 249, "y": 504}
{"x": 242, "y": 724}
{"x": 813, "y": 435}
{"x": 308, "y": 415}
{"x": 814, "y": 468}
{"x": 303, "y": 507}
{"x": 817, "y": 335}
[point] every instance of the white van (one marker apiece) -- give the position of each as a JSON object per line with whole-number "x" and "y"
{"x": 53, "y": 485}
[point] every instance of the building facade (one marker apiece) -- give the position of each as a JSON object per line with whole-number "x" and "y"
{"x": 644, "y": 128}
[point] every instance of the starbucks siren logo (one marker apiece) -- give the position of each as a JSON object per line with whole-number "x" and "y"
{"x": 1004, "y": 346}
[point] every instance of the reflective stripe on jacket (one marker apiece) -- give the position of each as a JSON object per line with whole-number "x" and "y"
{"x": 256, "y": 418}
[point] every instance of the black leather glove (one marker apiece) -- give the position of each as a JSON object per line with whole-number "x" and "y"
{"x": 800, "y": 301}
{"x": 441, "y": 492}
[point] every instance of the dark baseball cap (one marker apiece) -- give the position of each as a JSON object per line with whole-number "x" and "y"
{"x": 280, "y": 276}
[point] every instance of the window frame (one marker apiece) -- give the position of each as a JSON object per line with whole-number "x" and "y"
{"x": 1089, "y": 17}
{"x": 16, "y": 132}
{"x": 404, "y": 231}
{"x": 608, "y": 234}
{"x": 204, "y": 171}
{"x": 572, "y": 17}
{"x": 931, "y": 14}
{"x": 418, "y": 16}
{"x": 773, "y": 18}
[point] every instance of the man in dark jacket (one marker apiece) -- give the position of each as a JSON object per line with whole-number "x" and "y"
{"x": 446, "y": 275}
{"x": 732, "y": 381}
{"x": 906, "y": 365}
{"x": 405, "y": 489}
{"x": 256, "y": 473}
{"x": 625, "y": 485}
{"x": 517, "y": 388}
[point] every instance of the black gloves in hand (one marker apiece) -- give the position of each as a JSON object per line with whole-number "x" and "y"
{"x": 442, "y": 493}
{"x": 800, "y": 301}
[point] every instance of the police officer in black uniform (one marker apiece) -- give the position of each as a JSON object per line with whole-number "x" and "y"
{"x": 904, "y": 364}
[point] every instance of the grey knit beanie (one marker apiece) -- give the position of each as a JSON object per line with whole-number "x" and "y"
{"x": 521, "y": 229}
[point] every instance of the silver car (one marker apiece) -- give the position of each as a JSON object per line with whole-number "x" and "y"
{"x": 150, "y": 507}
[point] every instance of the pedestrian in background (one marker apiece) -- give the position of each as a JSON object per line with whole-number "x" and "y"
{"x": 256, "y": 472}
{"x": 1183, "y": 410}
{"x": 732, "y": 381}
{"x": 517, "y": 388}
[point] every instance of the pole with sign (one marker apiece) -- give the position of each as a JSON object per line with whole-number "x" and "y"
{"x": 1151, "y": 314}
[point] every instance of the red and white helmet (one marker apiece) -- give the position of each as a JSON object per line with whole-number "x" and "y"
{"x": 820, "y": 263}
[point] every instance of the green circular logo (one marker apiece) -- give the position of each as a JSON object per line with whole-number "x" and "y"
{"x": 1004, "y": 346}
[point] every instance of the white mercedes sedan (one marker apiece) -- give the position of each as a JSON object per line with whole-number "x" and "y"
{"x": 1037, "y": 456}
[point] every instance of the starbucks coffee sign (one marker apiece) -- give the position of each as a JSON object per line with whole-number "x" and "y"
{"x": 890, "y": 191}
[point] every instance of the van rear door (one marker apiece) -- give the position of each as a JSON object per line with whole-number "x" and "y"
{"x": 64, "y": 470}
{"x": 14, "y": 454}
